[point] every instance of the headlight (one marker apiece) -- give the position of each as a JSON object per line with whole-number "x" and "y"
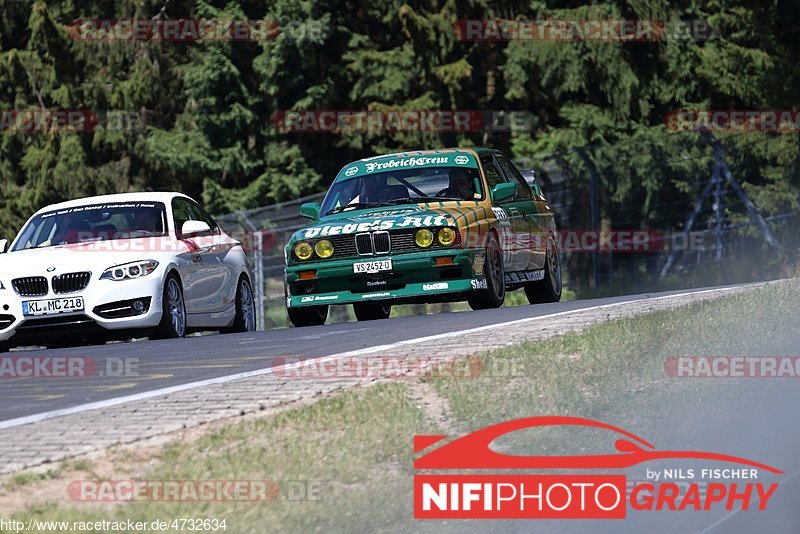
{"x": 129, "y": 271}
{"x": 324, "y": 248}
{"x": 423, "y": 238}
{"x": 303, "y": 251}
{"x": 446, "y": 236}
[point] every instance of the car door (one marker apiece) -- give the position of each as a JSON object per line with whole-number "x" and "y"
{"x": 223, "y": 269}
{"x": 535, "y": 231}
{"x": 196, "y": 263}
{"x": 512, "y": 214}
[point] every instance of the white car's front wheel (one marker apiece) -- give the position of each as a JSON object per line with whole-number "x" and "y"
{"x": 173, "y": 317}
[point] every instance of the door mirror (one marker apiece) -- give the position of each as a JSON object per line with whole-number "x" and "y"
{"x": 3, "y": 246}
{"x": 194, "y": 228}
{"x": 504, "y": 191}
{"x": 310, "y": 210}
{"x": 536, "y": 189}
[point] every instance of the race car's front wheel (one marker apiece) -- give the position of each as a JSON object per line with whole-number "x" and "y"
{"x": 371, "y": 312}
{"x": 245, "y": 320}
{"x": 308, "y": 316}
{"x": 495, "y": 293}
{"x": 548, "y": 289}
{"x": 173, "y": 315}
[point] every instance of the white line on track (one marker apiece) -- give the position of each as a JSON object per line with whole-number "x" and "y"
{"x": 116, "y": 401}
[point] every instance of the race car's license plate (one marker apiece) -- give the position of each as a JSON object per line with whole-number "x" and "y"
{"x": 52, "y": 306}
{"x": 372, "y": 266}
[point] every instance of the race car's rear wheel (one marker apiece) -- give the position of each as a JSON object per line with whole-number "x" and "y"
{"x": 4, "y": 346}
{"x": 495, "y": 293}
{"x": 173, "y": 315}
{"x": 245, "y": 320}
{"x": 308, "y": 316}
{"x": 548, "y": 289}
{"x": 371, "y": 312}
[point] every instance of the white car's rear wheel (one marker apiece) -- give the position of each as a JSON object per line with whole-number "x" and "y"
{"x": 245, "y": 320}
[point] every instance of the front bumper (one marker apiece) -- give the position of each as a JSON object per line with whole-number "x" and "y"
{"x": 415, "y": 277}
{"x": 97, "y": 296}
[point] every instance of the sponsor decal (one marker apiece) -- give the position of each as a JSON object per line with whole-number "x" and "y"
{"x": 435, "y": 287}
{"x": 479, "y": 284}
{"x": 351, "y": 171}
{"x": 406, "y": 162}
{"x": 319, "y": 298}
{"x": 574, "y": 495}
{"x": 375, "y": 283}
{"x": 477, "y": 263}
{"x": 375, "y": 295}
{"x": 525, "y": 276}
{"x": 375, "y": 225}
{"x": 461, "y": 160}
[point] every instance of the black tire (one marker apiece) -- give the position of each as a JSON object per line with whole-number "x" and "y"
{"x": 245, "y": 320}
{"x": 308, "y": 316}
{"x": 172, "y": 307}
{"x": 371, "y": 311}
{"x": 495, "y": 293}
{"x": 548, "y": 289}
{"x": 5, "y": 346}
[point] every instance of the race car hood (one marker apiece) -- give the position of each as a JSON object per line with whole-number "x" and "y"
{"x": 372, "y": 219}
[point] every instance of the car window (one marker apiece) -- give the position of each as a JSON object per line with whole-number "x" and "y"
{"x": 493, "y": 175}
{"x": 199, "y": 214}
{"x": 513, "y": 175}
{"x": 181, "y": 212}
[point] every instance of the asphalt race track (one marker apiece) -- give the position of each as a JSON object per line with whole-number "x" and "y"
{"x": 166, "y": 363}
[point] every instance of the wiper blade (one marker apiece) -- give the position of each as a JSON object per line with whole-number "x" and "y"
{"x": 358, "y": 206}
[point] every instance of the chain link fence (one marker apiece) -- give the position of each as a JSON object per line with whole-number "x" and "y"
{"x": 590, "y": 190}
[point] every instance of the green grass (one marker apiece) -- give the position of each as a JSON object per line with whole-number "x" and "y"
{"x": 355, "y": 447}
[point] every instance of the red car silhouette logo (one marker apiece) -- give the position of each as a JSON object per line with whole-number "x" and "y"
{"x": 473, "y": 450}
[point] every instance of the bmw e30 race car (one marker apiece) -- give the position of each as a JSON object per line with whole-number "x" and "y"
{"x": 421, "y": 227}
{"x": 135, "y": 263}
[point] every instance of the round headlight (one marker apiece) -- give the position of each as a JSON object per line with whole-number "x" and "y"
{"x": 303, "y": 251}
{"x": 324, "y": 248}
{"x": 423, "y": 238}
{"x": 446, "y": 236}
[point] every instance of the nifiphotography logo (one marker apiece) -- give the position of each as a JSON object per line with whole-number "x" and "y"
{"x": 573, "y": 496}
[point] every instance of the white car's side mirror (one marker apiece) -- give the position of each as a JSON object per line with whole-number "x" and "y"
{"x": 194, "y": 228}
{"x": 3, "y": 245}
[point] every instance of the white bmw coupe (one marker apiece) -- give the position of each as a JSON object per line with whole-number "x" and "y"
{"x": 122, "y": 265}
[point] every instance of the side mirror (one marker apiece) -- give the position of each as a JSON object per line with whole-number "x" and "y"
{"x": 536, "y": 189}
{"x": 3, "y": 246}
{"x": 504, "y": 191}
{"x": 310, "y": 210}
{"x": 194, "y": 228}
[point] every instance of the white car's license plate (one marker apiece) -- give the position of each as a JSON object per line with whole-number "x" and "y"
{"x": 52, "y": 306}
{"x": 372, "y": 266}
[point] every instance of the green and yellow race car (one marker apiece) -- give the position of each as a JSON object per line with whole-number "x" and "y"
{"x": 420, "y": 227}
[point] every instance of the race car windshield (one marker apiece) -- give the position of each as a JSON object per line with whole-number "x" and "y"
{"x": 407, "y": 186}
{"x": 96, "y": 222}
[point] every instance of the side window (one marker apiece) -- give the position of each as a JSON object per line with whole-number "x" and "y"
{"x": 200, "y": 214}
{"x": 493, "y": 176}
{"x": 513, "y": 175}
{"x": 181, "y": 212}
